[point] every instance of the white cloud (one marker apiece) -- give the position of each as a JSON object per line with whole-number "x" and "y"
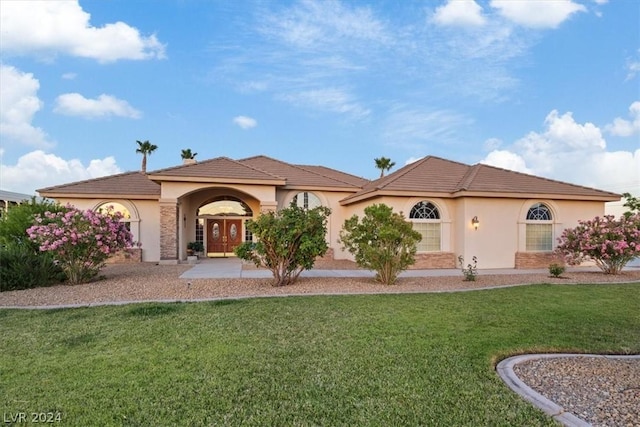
{"x": 412, "y": 160}
{"x": 633, "y": 66}
{"x": 69, "y": 76}
{"x": 329, "y": 99}
{"x": 38, "y": 169}
{"x": 245, "y": 122}
{"x": 506, "y": 160}
{"x": 52, "y": 27}
{"x": 571, "y": 152}
{"x": 19, "y": 103}
{"x": 622, "y": 127}
{"x": 461, "y": 13}
{"x": 323, "y": 23}
{"x": 415, "y": 127}
{"x": 537, "y": 14}
{"x": 74, "y": 104}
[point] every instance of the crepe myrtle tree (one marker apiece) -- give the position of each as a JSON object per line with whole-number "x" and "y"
{"x": 80, "y": 241}
{"x": 609, "y": 242}
{"x": 287, "y": 242}
{"x": 383, "y": 241}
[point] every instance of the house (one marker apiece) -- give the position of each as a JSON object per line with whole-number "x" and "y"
{"x": 507, "y": 219}
{"x": 9, "y": 198}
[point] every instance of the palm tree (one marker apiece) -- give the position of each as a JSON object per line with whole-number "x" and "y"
{"x": 145, "y": 148}
{"x": 384, "y": 164}
{"x": 187, "y": 154}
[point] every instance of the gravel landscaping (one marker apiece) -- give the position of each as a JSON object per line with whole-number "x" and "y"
{"x": 604, "y": 392}
{"x": 152, "y": 282}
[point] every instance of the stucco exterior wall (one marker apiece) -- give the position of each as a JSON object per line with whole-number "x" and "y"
{"x": 496, "y": 243}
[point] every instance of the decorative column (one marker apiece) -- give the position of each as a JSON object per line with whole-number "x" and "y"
{"x": 169, "y": 232}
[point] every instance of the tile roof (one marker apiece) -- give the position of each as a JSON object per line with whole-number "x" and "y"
{"x": 429, "y": 175}
{"x": 353, "y": 180}
{"x": 305, "y": 176}
{"x": 453, "y": 179}
{"x": 124, "y": 184}
{"x": 219, "y": 168}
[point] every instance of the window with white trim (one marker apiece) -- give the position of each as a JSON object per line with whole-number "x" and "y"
{"x": 306, "y": 200}
{"x": 425, "y": 218}
{"x": 539, "y": 225}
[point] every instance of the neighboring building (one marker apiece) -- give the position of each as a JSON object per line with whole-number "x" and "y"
{"x": 507, "y": 219}
{"x": 9, "y": 198}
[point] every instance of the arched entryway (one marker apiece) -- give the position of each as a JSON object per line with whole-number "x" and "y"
{"x": 221, "y": 225}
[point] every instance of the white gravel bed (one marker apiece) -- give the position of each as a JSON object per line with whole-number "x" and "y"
{"x": 601, "y": 391}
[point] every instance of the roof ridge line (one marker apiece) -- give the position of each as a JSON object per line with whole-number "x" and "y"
{"x": 468, "y": 177}
{"x": 327, "y": 176}
{"x": 300, "y": 167}
{"x": 405, "y": 169}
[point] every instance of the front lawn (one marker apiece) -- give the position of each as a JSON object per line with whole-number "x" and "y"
{"x": 413, "y": 359}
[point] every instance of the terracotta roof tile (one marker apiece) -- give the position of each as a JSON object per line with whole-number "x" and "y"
{"x": 353, "y": 180}
{"x": 125, "y": 184}
{"x": 436, "y": 175}
{"x": 219, "y": 167}
{"x": 303, "y": 176}
{"x": 492, "y": 179}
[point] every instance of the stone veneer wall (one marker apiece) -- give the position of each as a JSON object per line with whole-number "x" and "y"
{"x": 129, "y": 256}
{"x": 168, "y": 232}
{"x": 434, "y": 260}
{"x": 525, "y": 260}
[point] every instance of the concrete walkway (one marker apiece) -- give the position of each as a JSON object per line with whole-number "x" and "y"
{"x": 231, "y": 268}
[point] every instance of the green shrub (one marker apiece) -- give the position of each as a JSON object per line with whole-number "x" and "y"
{"x": 14, "y": 223}
{"x": 383, "y": 242}
{"x": 23, "y": 268}
{"x": 471, "y": 271}
{"x": 556, "y": 270}
{"x": 288, "y": 241}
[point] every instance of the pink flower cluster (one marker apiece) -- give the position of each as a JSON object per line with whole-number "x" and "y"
{"x": 81, "y": 241}
{"x": 609, "y": 242}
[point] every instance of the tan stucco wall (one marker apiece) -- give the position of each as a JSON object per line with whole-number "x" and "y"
{"x": 499, "y": 237}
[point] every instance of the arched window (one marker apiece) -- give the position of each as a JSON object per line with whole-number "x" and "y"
{"x": 306, "y": 200}
{"x": 426, "y": 220}
{"x": 539, "y": 224}
{"x": 128, "y": 217}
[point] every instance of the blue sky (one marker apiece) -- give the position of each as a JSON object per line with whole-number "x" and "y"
{"x": 545, "y": 87}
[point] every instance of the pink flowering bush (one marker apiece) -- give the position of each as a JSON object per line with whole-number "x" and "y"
{"x": 610, "y": 243}
{"x": 80, "y": 241}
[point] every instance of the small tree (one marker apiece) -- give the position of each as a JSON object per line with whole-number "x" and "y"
{"x": 632, "y": 203}
{"x": 610, "y": 243}
{"x": 383, "y": 242}
{"x": 287, "y": 241}
{"x": 384, "y": 164}
{"x": 186, "y": 154}
{"x": 145, "y": 148}
{"x": 80, "y": 241}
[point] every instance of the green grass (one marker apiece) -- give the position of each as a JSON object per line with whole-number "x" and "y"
{"x": 425, "y": 359}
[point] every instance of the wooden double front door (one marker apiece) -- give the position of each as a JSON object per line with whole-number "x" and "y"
{"x": 223, "y": 235}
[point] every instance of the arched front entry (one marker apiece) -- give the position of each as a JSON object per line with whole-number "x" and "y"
{"x": 221, "y": 225}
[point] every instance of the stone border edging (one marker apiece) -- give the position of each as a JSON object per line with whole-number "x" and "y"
{"x": 557, "y": 412}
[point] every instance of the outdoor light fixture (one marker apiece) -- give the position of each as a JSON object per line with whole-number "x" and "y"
{"x": 475, "y": 222}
